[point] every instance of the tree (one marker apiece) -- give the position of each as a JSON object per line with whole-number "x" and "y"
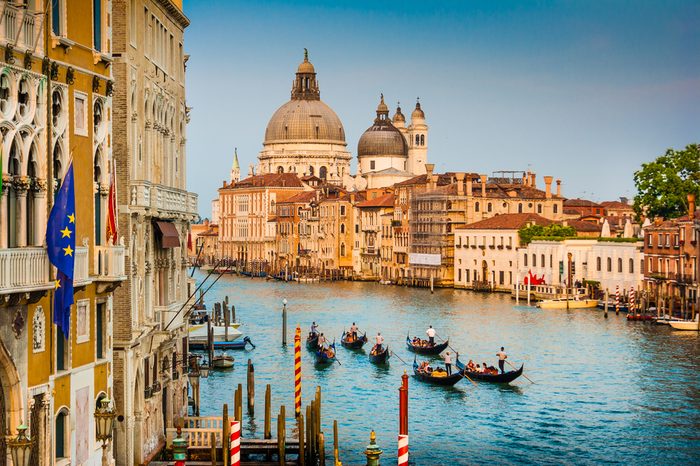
{"x": 664, "y": 184}
{"x": 550, "y": 231}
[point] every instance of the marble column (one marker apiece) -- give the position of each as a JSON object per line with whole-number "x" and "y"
{"x": 39, "y": 212}
{"x": 4, "y": 212}
{"x": 104, "y": 193}
{"x": 21, "y": 186}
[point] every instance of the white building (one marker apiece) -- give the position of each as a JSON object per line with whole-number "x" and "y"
{"x": 607, "y": 261}
{"x": 486, "y": 252}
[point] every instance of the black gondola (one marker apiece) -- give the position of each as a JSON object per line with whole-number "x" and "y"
{"x": 312, "y": 341}
{"x": 356, "y": 344}
{"x": 430, "y": 377}
{"x": 379, "y": 357}
{"x": 434, "y": 349}
{"x": 506, "y": 377}
{"x": 322, "y": 357}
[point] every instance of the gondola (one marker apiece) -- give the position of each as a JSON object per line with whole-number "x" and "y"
{"x": 432, "y": 378}
{"x": 380, "y": 357}
{"x": 355, "y": 344}
{"x": 322, "y": 357}
{"x": 506, "y": 377}
{"x": 312, "y": 341}
{"x": 435, "y": 349}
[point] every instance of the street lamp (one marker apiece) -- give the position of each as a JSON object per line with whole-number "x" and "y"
{"x": 104, "y": 422}
{"x": 284, "y": 322}
{"x": 20, "y": 447}
{"x": 204, "y": 370}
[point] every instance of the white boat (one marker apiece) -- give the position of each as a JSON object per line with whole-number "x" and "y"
{"x": 198, "y": 333}
{"x": 563, "y": 303}
{"x": 222, "y": 361}
{"x": 692, "y": 325}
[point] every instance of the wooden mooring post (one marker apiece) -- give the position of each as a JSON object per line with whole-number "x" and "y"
{"x": 281, "y": 437}
{"x": 239, "y": 403}
{"x": 607, "y": 294}
{"x": 212, "y": 442}
{"x": 336, "y": 455}
{"x": 267, "y": 430}
{"x": 251, "y": 388}
{"x": 300, "y": 429}
{"x": 226, "y": 434}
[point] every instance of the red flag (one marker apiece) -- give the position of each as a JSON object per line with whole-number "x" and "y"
{"x": 112, "y": 210}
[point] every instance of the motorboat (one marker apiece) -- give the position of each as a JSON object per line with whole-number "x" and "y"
{"x": 689, "y": 325}
{"x": 198, "y": 334}
{"x": 571, "y": 303}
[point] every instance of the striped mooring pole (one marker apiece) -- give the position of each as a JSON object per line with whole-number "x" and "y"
{"x": 297, "y": 372}
{"x": 403, "y": 450}
{"x": 235, "y": 444}
{"x": 617, "y": 299}
{"x": 632, "y": 300}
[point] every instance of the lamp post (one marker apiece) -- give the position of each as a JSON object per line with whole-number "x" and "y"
{"x": 194, "y": 381}
{"x": 20, "y": 447}
{"x": 104, "y": 423}
{"x": 284, "y": 322}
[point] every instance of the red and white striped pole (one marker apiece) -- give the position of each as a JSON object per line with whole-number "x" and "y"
{"x": 403, "y": 450}
{"x": 235, "y": 444}
{"x": 617, "y": 299}
{"x": 632, "y": 300}
{"x": 297, "y": 372}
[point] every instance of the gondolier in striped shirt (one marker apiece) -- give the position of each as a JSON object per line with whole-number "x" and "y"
{"x": 502, "y": 356}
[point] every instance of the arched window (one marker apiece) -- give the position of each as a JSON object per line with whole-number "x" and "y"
{"x": 311, "y": 171}
{"x": 631, "y": 265}
{"x": 534, "y": 260}
{"x": 342, "y": 228}
{"x": 542, "y": 260}
{"x": 13, "y": 169}
{"x": 525, "y": 259}
{"x": 280, "y": 169}
{"x": 97, "y": 173}
{"x": 619, "y": 265}
{"x": 422, "y": 139}
{"x": 476, "y": 207}
{"x": 322, "y": 173}
{"x": 598, "y": 264}
{"x": 609, "y": 264}
{"x": 417, "y": 140}
{"x": 62, "y": 434}
{"x": 489, "y": 207}
{"x": 520, "y": 208}
{"x": 539, "y": 208}
{"x": 32, "y": 173}
{"x": 556, "y": 208}
{"x": 4, "y": 93}
{"x": 342, "y": 249}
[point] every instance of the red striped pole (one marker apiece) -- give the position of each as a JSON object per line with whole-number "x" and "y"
{"x": 632, "y": 300}
{"x": 403, "y": 450}
{"x": 235, "y": 444}
{"x": 617, "y": 299}
{"x": 297, "y": 372}
{"x": 403, "y": 405}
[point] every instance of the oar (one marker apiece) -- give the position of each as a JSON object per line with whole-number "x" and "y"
{"x": 464, "y": 372}
{"x": 335, "y": 354}
{"x": 528, "y": 378}
{"x": 394, "y": 354}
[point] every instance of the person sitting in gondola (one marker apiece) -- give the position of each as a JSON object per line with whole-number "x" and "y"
{"x": 478, "y": 368}
{"x": 321, "y": 341}
{"x": 423, "y": 367}
{"x": 470, "y": 366}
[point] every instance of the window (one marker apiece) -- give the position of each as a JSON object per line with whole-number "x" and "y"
{"x": 97, "y": 24}
{"x": 489, "y": 207}
{"x": 342, "y": 210}
{"x": 534, "y": 260}
{"x": 62, "y": 349}
{"x": 323, "y": 173}
{"x": 280, "y": 169}
{"x": 520, "y": 208}
{"x": 556, "y": 208}
{"x": 598, "y": 263}
{"x": 619, "y": 265}
{"x": 80, "y": 110}
{"x": 357, "y": 228}
{"x": 422, "y": 139}
{"x": 82, "y": 321}
{"x": 466, "y": 275}
{"x": 476, "y": 207}
{"x": 342, "y": 228}
{"x": 525, "y": 259}
{"x": 62, "y": 433}
{"x": 100, "y": 334}
{"x": 609, "y": 264}
{"x": 56, "y": 17}
{"x": 651, "y": 265}
{"x": 311, "y": 171}
{"x": 371, "y": 165}
{"x": 542, "y": 260}
{"x": 459, "y": 275}
{"x": 539, "y": 208}
{"x": 342, "y": 249}
{"x": 631, "y": 265}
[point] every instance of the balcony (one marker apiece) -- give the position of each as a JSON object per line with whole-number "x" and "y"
{"x": 108, "y": 265}
{"x": 162, "y": 199}
{"x": 81, "y": 274}
{"x": 16, "y": 18}
{"x": 164, "y": 314}
{"x": 23, "y": 270}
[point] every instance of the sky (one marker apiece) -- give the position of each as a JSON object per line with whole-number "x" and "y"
{"x": 585, "y": 91}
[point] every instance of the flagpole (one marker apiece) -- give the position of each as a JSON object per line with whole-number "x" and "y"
{"x": 49, "y": 165}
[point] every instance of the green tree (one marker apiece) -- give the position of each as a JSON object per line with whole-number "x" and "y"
{"x": 664, "y": 184}
{"x": 550, "y": 231}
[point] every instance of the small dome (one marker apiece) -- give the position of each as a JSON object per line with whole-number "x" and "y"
{"x": 398, "y": 116}
{"x": 382, "y": 108}
{"x": 418, "y": 112}
{"x": 382, "y": 138}
{"x": 306, "y": 66}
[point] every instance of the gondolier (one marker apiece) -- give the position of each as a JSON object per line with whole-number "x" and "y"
{"x": 321, "y": 340}
{"x": 448, "y": 363}
{"x": 314, "y": 327}
{"x": 431, "y": 335}
{"x": 379, "y": 339}
{"x": 353, "y": 331}
{"x": 502, "y": 356}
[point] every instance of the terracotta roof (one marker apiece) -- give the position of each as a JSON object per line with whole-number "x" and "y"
{"x": 303, "y": 197}
{"x": 508, "y": 222}
{"x": 270, "y": 180}
{"x": 386, "y": 200}
{"x": 616, "y": 205}
{"x": 583, "y": 226}
{"x": 580, "y": 203}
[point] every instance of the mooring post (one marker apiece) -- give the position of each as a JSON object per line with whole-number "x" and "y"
{"x": 529, "y": 287}
{"x": 225, "y": 436}
{"x": 318, "y": 408}
{"x": 607, "y": 294}
{"x": 300, "y": 429}
{"x": 251, "y": 388}
{"x": 212, "y": 445}
{"x": 309, "y": 439}
{"x": 373, "y": 452}
{"x": 284, "y": 322}
{"x": 239, "y": 410}
{"x": 312, "y": 432}
{"x": 281, "y": 433}
{"x": 233, "y": 313}
{"x": 336, "y": 455}
{"x": 321, "y": 450}
{"x": 268, "y": 431}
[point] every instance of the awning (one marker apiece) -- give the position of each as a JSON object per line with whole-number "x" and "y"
{"x": 169, "y": 237}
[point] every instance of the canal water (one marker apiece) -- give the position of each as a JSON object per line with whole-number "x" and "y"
{"x": 606, "y": 391}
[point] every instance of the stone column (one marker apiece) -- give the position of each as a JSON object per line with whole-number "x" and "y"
{"x": 39, "y": 212}
{"x": 103, "y": 189}
{"x": 4, "y": 212}
{"x": 21, "y": 185}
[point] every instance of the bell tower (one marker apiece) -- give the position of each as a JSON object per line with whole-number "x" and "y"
{"x": 417, "y": 136}
{"x": 235, "y": 168}
{"x": 305, "y": 86}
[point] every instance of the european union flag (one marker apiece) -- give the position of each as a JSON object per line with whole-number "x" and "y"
{"x": 60, "y": 243}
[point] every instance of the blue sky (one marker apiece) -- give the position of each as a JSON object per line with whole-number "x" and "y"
{"x": 584, "y": 91}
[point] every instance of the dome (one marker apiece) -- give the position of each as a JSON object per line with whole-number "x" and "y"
{"x": 418, "y": 113}
{"x": 382, "y": 138}
{"x": 305, "y": 120}
{"x": 398, "y": 116}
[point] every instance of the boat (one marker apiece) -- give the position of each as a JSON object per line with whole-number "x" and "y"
{"x": 355, "y": 344}
{"x": 611, "y": 305}
{"x": 231, "y": 345}
{"x": 641, "y": 317}
{"x": 689, "y": 325}
{"x": 506, "y": 377}
{"x": 222, "y": 361}
{"x": 379, "y": 357}
{"x": 312, "y": 340}
{"x": 563, "y": 303}
{"x": 428, "y": 349}
{"x": 322, "y": 356}
{"x": 198, "y": 334}
{"x": 666, "y": 320}
{"x": 436, "y": 376}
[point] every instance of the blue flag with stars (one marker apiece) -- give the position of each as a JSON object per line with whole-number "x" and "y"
{"x": 60, "y": 244}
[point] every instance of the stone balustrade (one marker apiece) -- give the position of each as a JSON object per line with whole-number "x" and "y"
{"x": 81, "y": 271}
{"x": 163, "y": 198}
{"x": 164, "y": 314}
{"x": 109, "y": 263}
{"x": 21, "y": 27}
{"x": 23, "y": 270}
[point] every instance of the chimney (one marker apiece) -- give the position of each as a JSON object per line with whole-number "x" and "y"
{"x": 691, "y": 206}
{"x": 533, "y": 180}
{"x": 352, "y": 198}
{"x": 460, "y": 183}
{"x": 429, "y": 167}
{"x": 558, "y": 188}
{"x": 469, "y": 185}
{"x": 526, "y": 177}
{"x": 483, "y": 185}
{"x": 548, "y": 186}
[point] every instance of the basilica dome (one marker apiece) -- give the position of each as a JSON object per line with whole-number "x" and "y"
{"x": 305, "y": 120}
{"x": 382, "y": 138}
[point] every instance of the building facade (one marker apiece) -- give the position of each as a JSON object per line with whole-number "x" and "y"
{"x": 155, "y": 211}
{"x": 50, "y": 381}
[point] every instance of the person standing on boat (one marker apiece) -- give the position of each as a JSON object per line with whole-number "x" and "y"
{"x": 321, "y": 340}
{"x": 378, "y": 346}
{"x": 431, "y": 335}
{"x": 314, "y": 328}
{"x": 502, "y": 356}
{"x": 448, "y": 363}
{"x": 353, "y": 331}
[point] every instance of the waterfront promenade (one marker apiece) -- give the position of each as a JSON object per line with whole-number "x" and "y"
{"x": 606, "y": 390}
